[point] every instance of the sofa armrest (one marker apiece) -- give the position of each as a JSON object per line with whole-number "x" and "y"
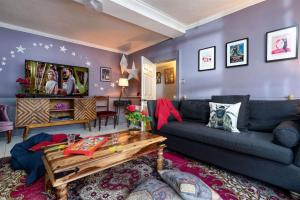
{"x": 287, "y": 134}
{"x": 297, "y": 156}
{"x": 151, "y": 110}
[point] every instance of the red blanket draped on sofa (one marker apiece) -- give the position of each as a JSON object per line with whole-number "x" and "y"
{"x": 164, "y": 108}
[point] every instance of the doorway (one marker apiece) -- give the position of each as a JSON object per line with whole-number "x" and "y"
{"x": 166, "y": 84}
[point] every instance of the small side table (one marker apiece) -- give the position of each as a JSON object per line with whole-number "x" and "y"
{"x": 118, "y": 105}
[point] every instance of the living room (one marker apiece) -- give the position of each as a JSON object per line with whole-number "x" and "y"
{"x": 230, "y": 97}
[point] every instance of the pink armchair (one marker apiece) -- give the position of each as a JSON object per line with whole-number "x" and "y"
{"x": 5, "y": 125}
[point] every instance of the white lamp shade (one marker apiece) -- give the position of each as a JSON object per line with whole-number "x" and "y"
{"x": 123, "y": 82}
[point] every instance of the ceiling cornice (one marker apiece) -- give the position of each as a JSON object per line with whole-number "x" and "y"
{"x": 152, "y": 13}
{"x": 223, "y": 13}
{"x": 57, "y": 37}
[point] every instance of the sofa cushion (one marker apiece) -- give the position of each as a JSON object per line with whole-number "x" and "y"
{"x": 244, "y": 110}
{"x": 266, "y": 115}
{"x": 253, "y": 143}
{"x": 195, "y": 110}
{"x": 224, "y": 116}
{"x": 287, "y": 134}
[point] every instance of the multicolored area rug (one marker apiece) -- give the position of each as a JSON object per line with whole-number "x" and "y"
{"x": 116, "y": 183}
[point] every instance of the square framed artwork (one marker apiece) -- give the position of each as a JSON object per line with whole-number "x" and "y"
{"x": 282, "y": 44}
{"x": 158, "y": 77}
{"x": 207, "y": 59}
{"x": 169, "y": 76}
{"x": 237, "y": 53}
{"x": 105, "y": 74}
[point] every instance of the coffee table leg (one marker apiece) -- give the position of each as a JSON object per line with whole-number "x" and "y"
{"x": 47, "y": 183}
{"x": 160, "y": 159}
{"x": 62, "y": 192}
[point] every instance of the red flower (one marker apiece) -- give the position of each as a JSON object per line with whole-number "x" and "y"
{"x": 131, "y": 108}
{"x": 20, "y": 95}
{"x": 19, "y": 80}
{"x": 23, "y": 81}
{"x": 144, "y": 113}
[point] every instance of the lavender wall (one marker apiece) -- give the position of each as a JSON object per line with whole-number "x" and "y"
{"x": 261, "y": 80}
{"x": 13, "y": 67}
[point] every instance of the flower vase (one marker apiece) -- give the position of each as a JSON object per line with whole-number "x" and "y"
{"x": 134, "y": 128}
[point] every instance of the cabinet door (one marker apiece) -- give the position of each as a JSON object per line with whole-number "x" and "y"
{"x": 85, "y": 108}
{"x": 32, "y": 111}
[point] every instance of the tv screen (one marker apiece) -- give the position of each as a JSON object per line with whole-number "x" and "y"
{"x": 51, "y": 79}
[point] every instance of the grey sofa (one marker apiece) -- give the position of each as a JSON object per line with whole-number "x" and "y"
{"x": 254, "y": 152}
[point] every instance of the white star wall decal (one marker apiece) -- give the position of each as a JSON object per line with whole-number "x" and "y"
{"x": 51, "y": 45}
{"x": 3, "y": 63}
{"x": 41, "y": 44}
{"x": 88, "y": 63}
{"x": 101, "y": 88}
{"x": 4, "y": 58}
{"x": 123, "y": 64}
{"x": 46, "y": 47}
{"x": 112, "y": 85}
{"x": 13, "y": 55}
{"x": 12, "y": 52}
{"x": 20, "y": 49}
{"x": 63, "y": 49}
{"x": 34, "y": 44}
{"x": 133, "y": 73}
{"x": 1, "y": 69}
{"x": 73, "y": 54}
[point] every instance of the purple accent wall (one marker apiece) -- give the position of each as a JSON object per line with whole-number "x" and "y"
{"x": 259, "y": 79}
{"x": 14, "y": 66}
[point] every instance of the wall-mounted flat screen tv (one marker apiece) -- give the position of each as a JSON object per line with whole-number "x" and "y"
{"x": 49, "y": 79}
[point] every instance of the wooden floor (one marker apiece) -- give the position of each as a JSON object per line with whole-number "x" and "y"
{"x": 5, "y": 148}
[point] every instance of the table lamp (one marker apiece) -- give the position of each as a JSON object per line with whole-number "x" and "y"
{"x": 123, "y": 82}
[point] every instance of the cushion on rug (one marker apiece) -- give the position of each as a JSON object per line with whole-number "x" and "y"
{"x": 287, "y": 134}
{"x": 188, "y": 186}
{"x": 243, "y": 119}
{"x": 224, "y": 116}
{"x": 153, "y": 189}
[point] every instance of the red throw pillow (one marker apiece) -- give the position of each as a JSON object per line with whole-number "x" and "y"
{"x": 39, "y": 146}
{"x": 59, "y": 137}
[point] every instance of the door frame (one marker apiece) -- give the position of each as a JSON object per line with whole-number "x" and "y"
{"x": 176, "y": 58}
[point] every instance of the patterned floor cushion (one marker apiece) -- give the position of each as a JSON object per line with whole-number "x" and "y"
{"x": 153, "y": 189}
{"x": 188, "y": 186}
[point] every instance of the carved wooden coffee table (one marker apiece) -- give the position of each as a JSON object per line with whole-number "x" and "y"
{"x": 121, "y": 147}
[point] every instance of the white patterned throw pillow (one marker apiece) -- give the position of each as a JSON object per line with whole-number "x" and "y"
{"x": 224, "y": 116}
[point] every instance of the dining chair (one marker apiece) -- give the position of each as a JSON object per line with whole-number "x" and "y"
{"x": 106, "y": 113}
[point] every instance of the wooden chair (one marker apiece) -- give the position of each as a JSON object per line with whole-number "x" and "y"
{"x": 5, "y": 124}
{"x": 105, "y": 113}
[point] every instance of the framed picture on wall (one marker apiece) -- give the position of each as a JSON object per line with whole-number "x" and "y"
{"x": 207, "y": 59}
{"x": 169, "y": 76}
{"x": 282, "y": 44}
{"x": 105, "y": 74}
{"x": 158, "y": 77}
{"x": 237, "y": 53}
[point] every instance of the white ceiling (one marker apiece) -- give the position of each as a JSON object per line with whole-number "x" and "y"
{"x": 68, "y": 19}
{"x": 188, "y": 12}
{"x": 123, "y": 26}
